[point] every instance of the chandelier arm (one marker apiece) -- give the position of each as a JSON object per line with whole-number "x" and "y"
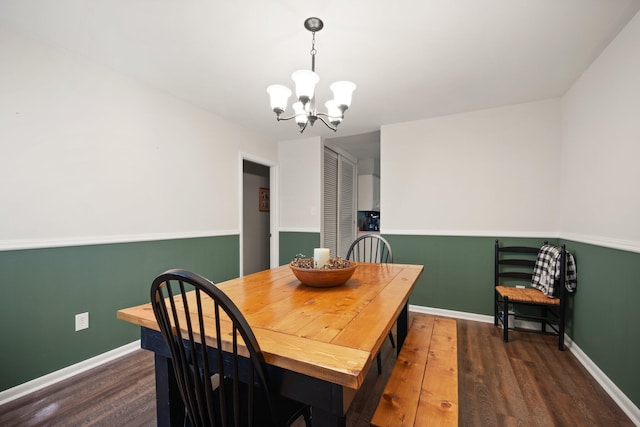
{"x": 333, "y": 128}
{"x": 285, "y": 118}
{"x": 327, "y": 115}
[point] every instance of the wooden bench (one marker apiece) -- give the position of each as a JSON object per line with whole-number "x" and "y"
{"x": 423, "y": 387}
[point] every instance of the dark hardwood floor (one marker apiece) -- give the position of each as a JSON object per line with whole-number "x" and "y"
{"x": 527, "y": 382}
{"x": 118, "y": 393}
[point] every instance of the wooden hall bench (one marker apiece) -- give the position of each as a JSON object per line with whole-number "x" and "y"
{"x": 423, "y": 387}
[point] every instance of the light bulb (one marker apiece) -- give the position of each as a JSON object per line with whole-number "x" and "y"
{"x": 305, "y": 84}
{"x": 279, "y": 96}
{"x": 342, "y": 92}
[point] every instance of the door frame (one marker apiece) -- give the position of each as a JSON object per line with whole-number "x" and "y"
{"x": 274, "y": 241}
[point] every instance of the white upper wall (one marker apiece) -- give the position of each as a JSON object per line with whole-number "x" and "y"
{"x": 490, "y": 172}
{"x": 91, "y": 155}
{"x": 300, "y": 189}
{"x": 601, "y": 147}
{"x": 577, "y": 157}
{"x": 88, "y": 153}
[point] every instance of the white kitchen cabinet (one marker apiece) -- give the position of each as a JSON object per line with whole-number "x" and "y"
{"x": 368, "y": 193}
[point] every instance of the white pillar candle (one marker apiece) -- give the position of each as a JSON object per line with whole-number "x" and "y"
{"x": 320, "y": 257}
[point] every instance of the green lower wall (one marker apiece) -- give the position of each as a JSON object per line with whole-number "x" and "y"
{"x": 458, "y": 275}
{"x": 294, "y": 243}
{"x": 43, "y": 290}
{"x": 458, "y": 271}
{"x": 604, "y": 309}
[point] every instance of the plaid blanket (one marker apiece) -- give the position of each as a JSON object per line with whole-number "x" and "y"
{"x": 547, "y": 271}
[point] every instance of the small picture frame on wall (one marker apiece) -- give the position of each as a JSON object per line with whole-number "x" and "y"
{"x": 263, "y": 199}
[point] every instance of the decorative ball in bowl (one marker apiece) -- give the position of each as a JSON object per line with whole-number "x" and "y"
{"x": 336, "y": 273}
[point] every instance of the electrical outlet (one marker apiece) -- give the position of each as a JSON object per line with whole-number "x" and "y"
{"x": 82, "y": 321}
{"x": 520, "y": 286}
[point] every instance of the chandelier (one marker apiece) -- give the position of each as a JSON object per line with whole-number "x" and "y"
{"x": 304, "y": 110}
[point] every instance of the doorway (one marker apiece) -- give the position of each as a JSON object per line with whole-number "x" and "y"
{"x": 256, "y": 217}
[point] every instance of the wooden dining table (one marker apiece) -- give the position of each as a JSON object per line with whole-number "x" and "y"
{"x": 318, "y": 343}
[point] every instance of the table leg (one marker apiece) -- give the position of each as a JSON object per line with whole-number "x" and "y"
{"x": 324, "y": 418}
{"x": 318, "y": 393}
{"x": 169, "y": 405}
{"x": 402, "y": 327}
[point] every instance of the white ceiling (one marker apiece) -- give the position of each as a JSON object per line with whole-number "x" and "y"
{"x": 410, "y": 59}
{"x": 361, "y": 146}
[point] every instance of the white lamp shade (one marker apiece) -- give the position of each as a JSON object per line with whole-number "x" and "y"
{"x": 305, "y": 83}
{"x": 342, "y": 92}
{"x": 333, "y": 111}
{"x": 299, "y": 111}
{"x": 279, "y": 96}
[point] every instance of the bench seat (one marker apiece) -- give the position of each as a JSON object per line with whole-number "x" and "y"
{"x": 423, "y": 387}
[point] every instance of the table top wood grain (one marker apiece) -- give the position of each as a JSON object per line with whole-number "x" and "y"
{"x": 328, "y": 333}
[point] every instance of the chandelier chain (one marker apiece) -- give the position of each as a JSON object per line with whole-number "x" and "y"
{"x": 313, "y": 51}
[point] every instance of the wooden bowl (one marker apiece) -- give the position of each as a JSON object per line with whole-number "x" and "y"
{"x": 323, "y": 278}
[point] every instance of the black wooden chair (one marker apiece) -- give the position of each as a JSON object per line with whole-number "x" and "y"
{"x": 221, "y": 384}
{"x": 514, "y": 271}
{"x": 372, "y": 248}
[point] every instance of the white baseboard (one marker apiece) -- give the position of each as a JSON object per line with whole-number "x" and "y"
{"x": 627, "y": 406}
{"x": 16, "y": 392}
{"x": 469, "y": 316}
{"x": 450, "y": 313}
{"x": 612, "y": 390}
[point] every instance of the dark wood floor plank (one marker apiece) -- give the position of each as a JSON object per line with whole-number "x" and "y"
{"x": 526, "y": 382}
{"x": 512, "y": 402}
{"x": 121, "y": 392}
{"x": 473, "y": 375}
{"x": 546, "y": 387}
{"x": 537, "y": 410}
